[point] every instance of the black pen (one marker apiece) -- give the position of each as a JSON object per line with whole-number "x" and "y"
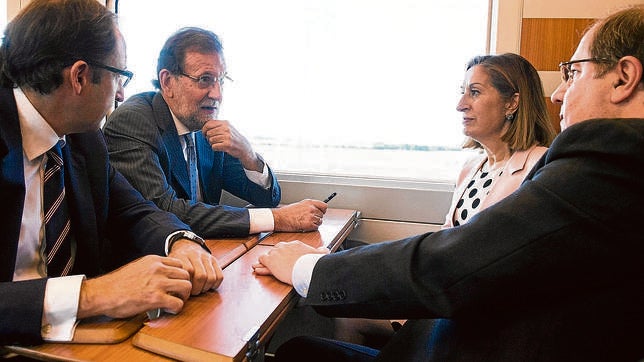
{"x": 330, "y": 197}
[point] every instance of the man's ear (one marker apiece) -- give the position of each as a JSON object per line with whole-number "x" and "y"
{"x": 166, "y": 82}
{"x": 629, "y": 77}
{"x": 79, "y": 76}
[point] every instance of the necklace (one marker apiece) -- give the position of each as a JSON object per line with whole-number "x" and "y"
{"x": 500, "y": 166}
{"x": 496, "y": 170}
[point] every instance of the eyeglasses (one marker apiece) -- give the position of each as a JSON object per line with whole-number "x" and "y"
{"x": 567, "y": 73}
{"x": 125, "y": 76}
{"x": 207, "y": 80}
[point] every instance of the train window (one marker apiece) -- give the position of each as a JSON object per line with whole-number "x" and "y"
{"x": 332, "y": 87}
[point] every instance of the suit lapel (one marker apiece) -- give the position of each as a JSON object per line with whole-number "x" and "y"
{"x": 171, "y": 141}
{"x": 87, "y": 186}
{"x": 504, "y": 182}
{"x": 78, "y": 191}
{"x": 12, "y": 182}
{"x": 205, "y": 162}
{"x": 518, "y": 161}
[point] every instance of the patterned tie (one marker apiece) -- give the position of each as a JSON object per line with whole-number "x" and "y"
{"x": 57, "y": 223}
{"x": 192, "y": 166}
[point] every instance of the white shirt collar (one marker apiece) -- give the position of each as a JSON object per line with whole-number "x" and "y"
{"x": 181, "y": 128}
{"x": 37, "y": 135}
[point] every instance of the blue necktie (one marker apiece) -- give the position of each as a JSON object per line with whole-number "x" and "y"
{"x": 192, "y": 166}
{"x": 57, "y": 224}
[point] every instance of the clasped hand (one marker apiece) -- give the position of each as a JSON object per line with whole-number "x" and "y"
{"x": 151, "y": 282}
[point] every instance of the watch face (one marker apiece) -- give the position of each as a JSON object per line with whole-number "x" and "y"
{"x": 192, "y": 236}
{"x": 185, "y": 234}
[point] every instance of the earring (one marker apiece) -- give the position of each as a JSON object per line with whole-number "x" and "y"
{"x": 509, "y": 117}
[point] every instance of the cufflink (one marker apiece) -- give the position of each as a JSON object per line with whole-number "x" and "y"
{"x": 45, "y": 329}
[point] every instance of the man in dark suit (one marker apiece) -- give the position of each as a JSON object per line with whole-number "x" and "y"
{"x": 149, "y": 138}
{"x": 551, "y": 273}
{"x": 62, "y": 67}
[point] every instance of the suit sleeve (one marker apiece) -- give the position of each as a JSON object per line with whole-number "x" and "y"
{"x": 570, "y": 230}
{"x": 236, "y": 182}
{"x": 132, "y": 224}
{"x": 137, "y": 151}
{"x": 131, "y": 217}
{"x": 21, "y": 307}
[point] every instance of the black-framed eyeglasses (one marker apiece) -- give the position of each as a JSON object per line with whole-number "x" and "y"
{"x": 207, "y": 80}
{"x": 566, "y": 70}
{"x": 125, "y": 76}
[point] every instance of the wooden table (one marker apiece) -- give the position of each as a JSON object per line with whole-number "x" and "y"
{"x": 225, "y": 250}
{"x": 336, "y": 226}
{"x": 232, "y": 323}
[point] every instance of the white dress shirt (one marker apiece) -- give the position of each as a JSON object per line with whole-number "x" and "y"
{"x": 261, "y": 219}
{"x": 61, "y": 294}
{"x": 303, "y": 272}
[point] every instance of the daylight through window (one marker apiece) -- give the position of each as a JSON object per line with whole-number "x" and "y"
{"x": 343, "y": 87}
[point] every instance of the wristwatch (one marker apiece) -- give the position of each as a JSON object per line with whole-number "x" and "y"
{"x": 184, "y": 234}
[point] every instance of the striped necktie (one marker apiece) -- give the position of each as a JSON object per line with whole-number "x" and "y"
{"x": 192, "y": 167}
{"x": 57, "y": 224}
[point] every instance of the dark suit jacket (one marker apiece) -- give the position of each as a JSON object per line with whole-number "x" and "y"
{"x": 101, "y": 204}
{"x": 554, "y": 272}
{"x": 144, "y": 146}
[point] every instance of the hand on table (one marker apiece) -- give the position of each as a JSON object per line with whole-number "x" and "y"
{"x": 280, "y": 260}
{"x": 305, "y": 215}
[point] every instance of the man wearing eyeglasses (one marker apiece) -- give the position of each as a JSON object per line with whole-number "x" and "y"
{"x": 173, "y": 149}
{"x": 551, "y": 273}
{"x": 68, "y": 217}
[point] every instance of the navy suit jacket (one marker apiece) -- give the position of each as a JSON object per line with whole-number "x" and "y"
{"x": 553, "y": 272}
{"x": 111, "y": 222}
{"x": 144, "y": 146}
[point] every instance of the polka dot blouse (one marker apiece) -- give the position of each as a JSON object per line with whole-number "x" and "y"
{"x": 476, "y": 191}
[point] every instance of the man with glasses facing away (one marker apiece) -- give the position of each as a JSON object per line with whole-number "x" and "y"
{"x": 551, "y": 273}
{"x": 68, "y": 217}
{"x": 172, "y": 148}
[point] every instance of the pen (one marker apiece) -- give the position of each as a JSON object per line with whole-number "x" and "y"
{"x": 264, "y": 235}
{"x": 330, "y": 197}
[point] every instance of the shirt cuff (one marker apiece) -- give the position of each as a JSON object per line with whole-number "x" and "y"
{"x": 263, "y": 178}
{"x": 303, "y": 271}
{"x": 60, "y": 308}
{"x": 261, "y": 220}
{"x": 167, "y": 241}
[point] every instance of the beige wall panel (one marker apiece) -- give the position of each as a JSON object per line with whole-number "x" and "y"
{"x": 553, "y": 113}
{"x": 14, "y": 6}
{"x": 551, "y": 81}
{"x": 573, "y": 8}
{"x": 506, "y": 26}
